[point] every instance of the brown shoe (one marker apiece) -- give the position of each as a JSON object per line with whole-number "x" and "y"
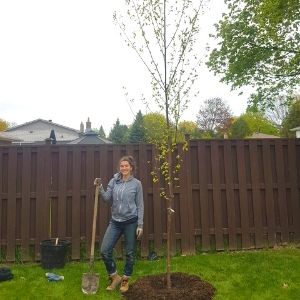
{"x": 124, "y": 284}
{"x": 115, "y": 280}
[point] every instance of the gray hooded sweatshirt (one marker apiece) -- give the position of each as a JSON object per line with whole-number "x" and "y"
{"x": 126, "y": 199}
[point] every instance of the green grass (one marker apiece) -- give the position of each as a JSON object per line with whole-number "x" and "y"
{"x": 255, "y": 275}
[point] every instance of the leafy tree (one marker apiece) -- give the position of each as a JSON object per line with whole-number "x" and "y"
{"x": 292, "y": 119}
{"x": 213, "y": 116}
{"x": 251, "y": 122}
{"x": 190, "y": 128}
{"x": 275, "y": 112}
{"x": 260, "y": 47}
{"x": 163, "y": 36}
{"x": 155, "y": 126}
{"x": 4, "y": 125}
{"x": 137, "y": 131}
{"x": 239, "y": 129}
{"x": 118, "y": 133}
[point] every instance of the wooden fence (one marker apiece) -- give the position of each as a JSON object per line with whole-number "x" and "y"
{"x": 233, "y": 194}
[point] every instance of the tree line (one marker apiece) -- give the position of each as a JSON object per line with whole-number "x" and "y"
{"x": 214, "y": 120}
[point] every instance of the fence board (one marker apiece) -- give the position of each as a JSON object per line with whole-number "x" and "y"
{"x": 204, "y": 211}
{"x": 294, "y": 189}
{"x": 185, "y": 204}
{"x": 232, "y": 242}
{"x": 25, "y": 196}
{"x": 281, "y": 191}
{"x": 243, "y": 195}
{"x": 258, "y": 228}
{"x": 90, "y": 195}
{"x": 11, "y": 205}
{"x": 62, "y": 193}
{"x": 76, "y": 198}
{"x": 217, "y": 195}
{"x": 268, "y": 184}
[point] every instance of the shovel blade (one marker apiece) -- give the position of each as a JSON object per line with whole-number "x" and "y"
{"x": 90, "y": 283}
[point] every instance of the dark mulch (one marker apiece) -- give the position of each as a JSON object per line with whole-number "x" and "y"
{"x": 184, "y": 287}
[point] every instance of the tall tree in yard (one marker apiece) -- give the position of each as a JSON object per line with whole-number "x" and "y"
{"x": 259, "y": 46}
{"x": 163, "y": 34}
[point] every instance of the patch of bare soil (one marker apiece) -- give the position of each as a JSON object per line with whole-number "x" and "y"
{"x": 184, "y": 287}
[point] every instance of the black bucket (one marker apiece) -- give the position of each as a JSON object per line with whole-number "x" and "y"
{"x": 52, "y": 255}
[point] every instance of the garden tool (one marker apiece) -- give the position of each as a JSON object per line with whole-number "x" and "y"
{"x": 90, "y": 280}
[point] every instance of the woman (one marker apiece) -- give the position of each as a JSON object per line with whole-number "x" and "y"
{"x": 125, "y": 194}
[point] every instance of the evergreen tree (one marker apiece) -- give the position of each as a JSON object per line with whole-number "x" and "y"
{"x": 137, "y": 131}
{"x": 118, "y": 133}
{"x": 101, "y": 132}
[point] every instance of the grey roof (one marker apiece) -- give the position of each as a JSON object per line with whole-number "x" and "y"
{"x": 295, "y": 129}
{"x": 6, "y": 136}
{"x": 39, "y": 130}
{"x": 259, "y": 135}
{"x": 90, "y": 137}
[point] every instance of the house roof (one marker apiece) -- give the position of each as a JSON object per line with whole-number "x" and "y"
{"x": 295, "y": 129}
{"x": 259, "y": 135}
{"x": 39, "y": 130}
{"x": 90, "y": 137}
{"x": 7, "y": 137}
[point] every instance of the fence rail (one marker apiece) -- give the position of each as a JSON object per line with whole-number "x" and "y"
{"x": 233, "y": 194}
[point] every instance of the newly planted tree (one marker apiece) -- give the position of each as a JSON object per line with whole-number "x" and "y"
{"x": 163, "y": 34}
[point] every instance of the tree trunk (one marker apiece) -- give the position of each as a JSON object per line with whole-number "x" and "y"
{"x": 169, "y": 218}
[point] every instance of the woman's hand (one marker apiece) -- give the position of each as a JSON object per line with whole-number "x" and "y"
{"x": 97, "y": 181}
{"x": 139, "y": 232}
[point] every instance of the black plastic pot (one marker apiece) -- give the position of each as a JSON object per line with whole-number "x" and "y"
{"x": 52, "y": 255}
{"x": 5, "y": 274}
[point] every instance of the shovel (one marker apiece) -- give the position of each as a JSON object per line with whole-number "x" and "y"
{"x": 90, "y": 280}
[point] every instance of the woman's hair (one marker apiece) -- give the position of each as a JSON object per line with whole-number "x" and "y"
{"x": 130, "y": 160}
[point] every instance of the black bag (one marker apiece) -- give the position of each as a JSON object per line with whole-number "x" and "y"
{"x": 5, "y": 274}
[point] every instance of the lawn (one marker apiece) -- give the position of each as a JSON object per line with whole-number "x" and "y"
{"x": 255, "y": 275}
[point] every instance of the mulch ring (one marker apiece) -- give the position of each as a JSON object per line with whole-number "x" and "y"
{"x": 184, "y": 287}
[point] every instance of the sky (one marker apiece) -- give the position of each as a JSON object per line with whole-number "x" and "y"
{"x": 65, "y": 61}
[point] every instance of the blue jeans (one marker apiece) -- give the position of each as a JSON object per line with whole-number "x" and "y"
{"x": 113, "y": 232}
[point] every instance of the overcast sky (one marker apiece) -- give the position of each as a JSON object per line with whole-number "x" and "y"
{"x": 64, "y": 60}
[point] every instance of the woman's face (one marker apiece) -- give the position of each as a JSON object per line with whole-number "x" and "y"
{"x": 125, "y": 168}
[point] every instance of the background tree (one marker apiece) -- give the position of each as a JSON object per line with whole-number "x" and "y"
{"x": 166, "y": 48}
{"x": 276, "y": 112}
{"x": 155, "y": 125}
{"x": 119, "y": 133}
{"x": 190, "y": 128}
{"x": 101, "y": 132}
{"x": 213, "y": 116}
{"x": 239, "y": 129}
{"x": 252, "y": 122}
{"x": 4, "y": 125}
{"x": 137, "y": 132}
{"x": 259, "y": 46}
{"x": 292, "y": 119}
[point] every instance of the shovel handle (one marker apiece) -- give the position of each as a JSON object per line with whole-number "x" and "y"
{"x": 94, "y": 224}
